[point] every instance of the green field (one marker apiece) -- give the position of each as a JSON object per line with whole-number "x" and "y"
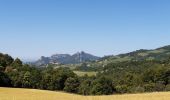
{"x": 81, "y": 73}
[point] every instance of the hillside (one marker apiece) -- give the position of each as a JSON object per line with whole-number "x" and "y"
{"x": 158, "y": 54}
{"x": 32, "y": 94}
{"x": 161, "y": 53}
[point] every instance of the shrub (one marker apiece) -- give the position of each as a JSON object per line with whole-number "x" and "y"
{"x": 167, "y": 88}
{"x": 122, "y": 88}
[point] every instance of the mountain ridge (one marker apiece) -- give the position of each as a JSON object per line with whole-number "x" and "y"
{"x": 75, "y": 58}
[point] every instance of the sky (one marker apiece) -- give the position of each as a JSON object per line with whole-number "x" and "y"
{"x": 33, "y": 28}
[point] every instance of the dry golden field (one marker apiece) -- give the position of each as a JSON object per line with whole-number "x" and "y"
{"x": 32, "y": 94}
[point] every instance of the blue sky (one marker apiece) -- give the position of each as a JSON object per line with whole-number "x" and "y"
{"x": 32, "y": 28}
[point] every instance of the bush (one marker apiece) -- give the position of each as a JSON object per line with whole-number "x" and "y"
{"x": 167, "y": 88}
{"x": 122, "y": 88}
{"x": 149, "y": 87}
{"x": 159, "y": 87}
{"x": 137, "y": 89}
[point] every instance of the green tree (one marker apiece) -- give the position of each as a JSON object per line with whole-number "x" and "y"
{"x": 16, "y": 78}
{"x": 85, "y": 87}
{"x": 5, "y": 60}
{"x": 102, "y": 85}
{"x": 167, "y": 88}
{"x": 122, "y": 88}
{"x": 4, "y": 80}
{"x": 61, "y": 75}
{"x": 149, "y": 87}
{"x": 17, "y": 63}
{"x": 27, "y": 80}
{"x": 8, "y": 59}
{"x": 71, "y": 85}
{"x": 46, "y": 82}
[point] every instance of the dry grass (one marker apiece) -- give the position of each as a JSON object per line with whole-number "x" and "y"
{"x": 81, "y": 73}
{"x": 32, "y": 94}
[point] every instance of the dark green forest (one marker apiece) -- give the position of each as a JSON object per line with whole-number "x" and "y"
{"x": 134, "y": 76}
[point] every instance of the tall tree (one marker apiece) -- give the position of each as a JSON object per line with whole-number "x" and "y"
{"x": 17, "y": 63}
{"x": 85, "y": 87}
{"x": 102, "y": 85}
{"x": 4, "y": 80}
{"x": 71, "y": 85}
{"x": 27, "y": 80}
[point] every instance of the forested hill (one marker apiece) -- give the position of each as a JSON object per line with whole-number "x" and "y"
{"x": 142, "y": 54}
{"x": 158, "y": 54}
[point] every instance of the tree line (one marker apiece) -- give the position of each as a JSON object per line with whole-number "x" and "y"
{"x": 124, "y": 77}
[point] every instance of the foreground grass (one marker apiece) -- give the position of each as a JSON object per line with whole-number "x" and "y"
{"x": 32, "y": 94}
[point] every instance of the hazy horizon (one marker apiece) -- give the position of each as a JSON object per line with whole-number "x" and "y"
{"x": 34, "y": 28}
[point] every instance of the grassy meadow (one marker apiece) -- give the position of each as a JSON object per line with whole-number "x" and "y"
{"x": 32, "y": 94}
{"x": 81, "y": 73}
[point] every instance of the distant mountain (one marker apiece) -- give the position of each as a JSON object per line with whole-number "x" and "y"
{"x": 76, "y": 58}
